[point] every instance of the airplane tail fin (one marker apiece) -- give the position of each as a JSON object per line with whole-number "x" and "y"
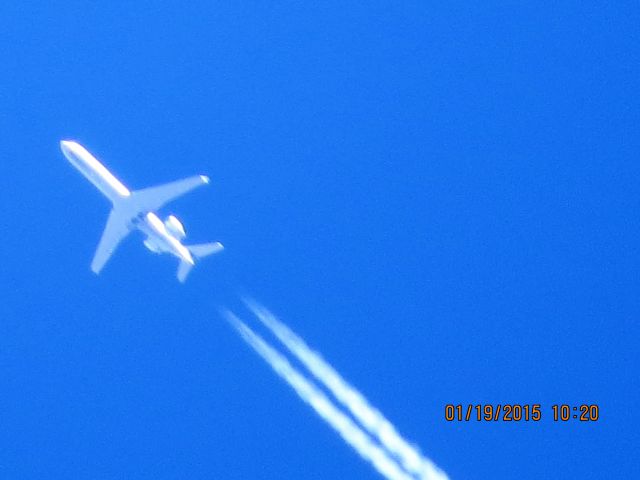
{"x": 198, "y": 251}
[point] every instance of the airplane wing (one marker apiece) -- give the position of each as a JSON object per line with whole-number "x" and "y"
{"x": 150, "y": 199}
{"x": 118, "y": 226}
{"x": 119, "y": 223}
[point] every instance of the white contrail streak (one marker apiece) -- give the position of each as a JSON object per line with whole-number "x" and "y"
{"x": 312, "y": 395}
{"x": 369, "y": 417}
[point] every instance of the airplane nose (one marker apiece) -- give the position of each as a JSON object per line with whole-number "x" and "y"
{"x": 65, "y": 145}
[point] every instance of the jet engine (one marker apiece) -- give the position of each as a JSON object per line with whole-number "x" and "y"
{"x": 174, "y": 227}
{"x": 151, "y": 245}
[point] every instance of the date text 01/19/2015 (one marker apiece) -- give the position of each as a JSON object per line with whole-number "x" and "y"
{"x": 519, "y": 412}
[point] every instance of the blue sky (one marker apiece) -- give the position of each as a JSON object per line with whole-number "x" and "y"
{"x": 440, "y": 198}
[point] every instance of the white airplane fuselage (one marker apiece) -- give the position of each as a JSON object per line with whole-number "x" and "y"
{"x": 159, "y": 238}
{"x": 94, "y": 171}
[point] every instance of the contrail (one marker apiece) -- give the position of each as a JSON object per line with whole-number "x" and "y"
{"x": 312, "y": 395}
{"x": 369, "y": 417}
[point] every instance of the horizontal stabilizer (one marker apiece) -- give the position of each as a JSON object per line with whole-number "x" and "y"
{"x": 183, "y": 270}
{"x": 204, "y": 249}
{"x": 198, "y": 251}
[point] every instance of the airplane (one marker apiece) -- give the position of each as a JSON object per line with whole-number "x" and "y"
{"x": 135, "y": 210}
